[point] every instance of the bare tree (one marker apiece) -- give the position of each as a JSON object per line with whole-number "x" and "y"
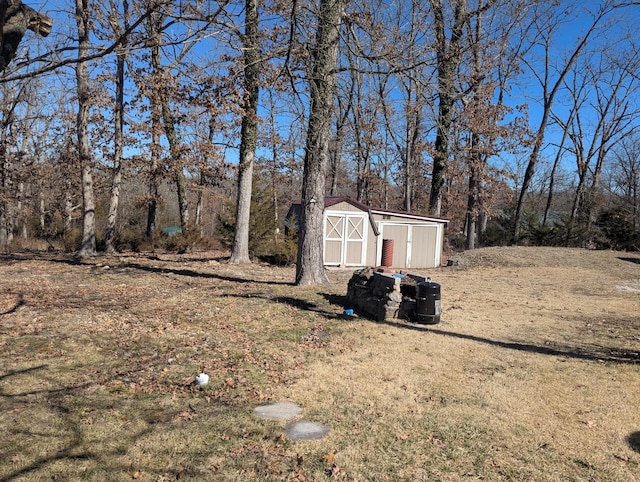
{"x": 482, "y": 114}
{"x": 167, "y": 72}
{"x": 121, "y": 55}
{"x": 344, "y": 102}
{"x": 552, "y": 177}
{"x": 249, "y": 133}
{"x": 626, "y": 175}
{"x": 546, "y": 24}
{"x": 88, "y": 244}
{"x": 10, "y": 101}
{"x": 449, "y": 55}
{"x": 603, "y": 115}
{"x": 408, "y": 62}
{"x": 310, "y": 265}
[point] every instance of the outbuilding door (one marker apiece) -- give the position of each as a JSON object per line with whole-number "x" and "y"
{"x": 345, "y": 238}
{"x": 415, "y": 245}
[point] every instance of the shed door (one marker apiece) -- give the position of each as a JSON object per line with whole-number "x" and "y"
{"x": 415, "y": 245}
{"x": 399, "y": 233}
{"x": 344, "y": 239}
{"x": 425, "y": 247}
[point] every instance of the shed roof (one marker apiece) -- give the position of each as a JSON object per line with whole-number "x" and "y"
{"x": 333, "y": 200}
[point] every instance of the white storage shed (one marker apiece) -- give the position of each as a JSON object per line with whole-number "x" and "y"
{"x": 354, "y": 235}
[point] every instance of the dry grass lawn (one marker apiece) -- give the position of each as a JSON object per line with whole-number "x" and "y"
{"x": 534, "y": 373}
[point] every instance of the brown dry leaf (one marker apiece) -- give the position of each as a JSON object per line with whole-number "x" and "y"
{"x": 329, "y": 457}
{"x": 298, "y": 475}
{"x": 336, "y": 472}
{"x": 436, "y": 441}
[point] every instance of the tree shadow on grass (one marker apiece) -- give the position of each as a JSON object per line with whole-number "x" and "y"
{"x": 70, "y": 453}
{"x": 300, "y": 303}
{"x": 19, "y": 372}
{"x": 15, "y": 307}
{"x": 199, "y": 274}
{"x": 53, "y": 415}
{"x": 629, "y": 259}
{"x": 634, "y": 441}
{"x": 97, "y": 434}
{"x": 591, "y": 353}
{"x": 339, "y": 300}
{"x": 28, "y": 428}
{"x": 121, "y": 266}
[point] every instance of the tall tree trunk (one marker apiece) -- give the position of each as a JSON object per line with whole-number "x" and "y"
{"x": 42, "y": 212}
{"x": 21, "y": 205}
{"x": 448, "y": 57}
{"x": 168, "y": 121}
{"x": 476, "y": 167}
{"x": 4, "y": 183}
{"x": 68, "y": 210}
{"x": 310, "y": 265}
{"x": 335, "y": 153}
{"x": 200, "y": 203}
{"x": 118, "y": 136}
{"x": 156, "y": 129}
{"x": 88, "y": 245}
{"x": 594, "y": 188}
{"x": 4, "y": 240}
{"x": 181, "y": 190}
{"x": 412, "y": 135}
{"x": 249, "y": 134}
{"x": 274, "y": 171}
{"x": 574, "y": 217}
{"x": 156, "y": 149}
{"x": 552, "y": 178}
{"x": 174, "y": 148}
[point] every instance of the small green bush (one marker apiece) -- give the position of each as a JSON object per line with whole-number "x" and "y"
{"x": 618, "y": 230}
{"x": 263, "y": 241}
{"x": 72, "y": 239}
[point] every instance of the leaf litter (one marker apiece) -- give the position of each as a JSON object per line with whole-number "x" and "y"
{"x": 100, "y": 356}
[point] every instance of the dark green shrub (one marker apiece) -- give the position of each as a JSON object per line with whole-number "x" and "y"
{"x": 262, "y": 224}
{"x": 285, "y": 251}
{"x": 72, "y": 239}
{"x": 617, "y": 228}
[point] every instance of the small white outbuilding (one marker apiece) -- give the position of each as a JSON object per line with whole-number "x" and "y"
{"x": 355, "y": 234}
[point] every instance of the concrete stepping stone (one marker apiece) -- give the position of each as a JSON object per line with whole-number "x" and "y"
{"x": 304, "y": 430}
{"x": 278, "y": 411}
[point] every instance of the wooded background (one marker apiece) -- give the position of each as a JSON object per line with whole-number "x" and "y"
{"x": 518, "y": 120}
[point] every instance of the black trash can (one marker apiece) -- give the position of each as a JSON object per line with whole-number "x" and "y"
{"x": 428, "y": 303}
